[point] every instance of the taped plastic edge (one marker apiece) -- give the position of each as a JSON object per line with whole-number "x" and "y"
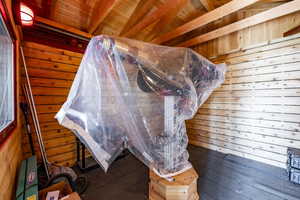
{"x": 169, "y": 176}
{"x": 97, "y": 150}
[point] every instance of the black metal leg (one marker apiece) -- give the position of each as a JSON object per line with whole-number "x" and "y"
{"x": 83, "y": 156}
{"x": 78, "y": 149}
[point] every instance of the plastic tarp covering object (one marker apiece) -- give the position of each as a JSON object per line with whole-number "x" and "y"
{"x": 134, "y": 95}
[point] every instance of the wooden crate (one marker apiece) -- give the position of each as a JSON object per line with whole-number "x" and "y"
{"x": 183, "y": 187}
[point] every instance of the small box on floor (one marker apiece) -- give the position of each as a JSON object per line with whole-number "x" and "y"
{"x": 72, "y": 196}
{"x": 52, "y": 195}
{"x": 63, "y": 187}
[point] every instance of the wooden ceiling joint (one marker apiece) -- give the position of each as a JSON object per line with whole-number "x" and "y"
{"x": 205, "y": 19}
{"x": 142, "y": 8}
{"x": 293, "y": 31}
{"x": 161, "y": 11}
{"x": 165, "y": 22}
{"x": 62, "y": 27}
{"x": 273, "y": 13}
{"x": 100, "y": 11}
{"x": 207, "y": 4}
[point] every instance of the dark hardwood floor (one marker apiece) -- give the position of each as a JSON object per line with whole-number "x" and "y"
{"x": 222, "y": 177}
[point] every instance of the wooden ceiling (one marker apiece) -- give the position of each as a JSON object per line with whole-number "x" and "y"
{"x": 111, "y": 17}
{"x": 145, "y": 20}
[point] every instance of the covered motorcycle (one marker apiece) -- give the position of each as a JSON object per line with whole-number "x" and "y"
{"x": 133, "y": 95}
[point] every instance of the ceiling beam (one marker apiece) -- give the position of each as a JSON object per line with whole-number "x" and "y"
{"x": 293, "y": 31}
{"x": 62, "y": 27}
{"x": 211, "y": 16}
{"x": 165, "y": 22}
{"x": 208, "y": 5}
{"x": 161, "y": 11}
{"x": 270, "y": 14}
{"x": 143, "y": 7}
{"x": 100, "y": 11}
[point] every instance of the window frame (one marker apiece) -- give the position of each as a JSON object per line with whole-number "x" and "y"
{"x": 6, "y": 132}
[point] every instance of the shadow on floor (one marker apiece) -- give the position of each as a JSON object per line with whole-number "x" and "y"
{"x": 222, "y": 177}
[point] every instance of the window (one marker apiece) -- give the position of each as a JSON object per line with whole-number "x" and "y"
{"x": 7, "y": 78}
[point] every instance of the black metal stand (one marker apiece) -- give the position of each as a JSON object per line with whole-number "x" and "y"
{"x": 84, "y": 164}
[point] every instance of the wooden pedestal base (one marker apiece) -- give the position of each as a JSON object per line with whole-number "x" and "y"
{"x": 183, "y": 187}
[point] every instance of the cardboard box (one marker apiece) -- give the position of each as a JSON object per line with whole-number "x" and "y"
{"x": 52, "y": 195}
{"x": 72, "y": 196}
{"x": 63, "y": 187}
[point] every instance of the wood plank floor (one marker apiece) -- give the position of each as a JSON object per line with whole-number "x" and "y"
{"x": 222, "y": 177}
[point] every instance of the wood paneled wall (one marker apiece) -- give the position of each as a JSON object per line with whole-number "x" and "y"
{"x": 256, "y": 112}
{"x": 11, "y": 149}
{"x": 10, "y": 157}
{"x": 51, "y": 72}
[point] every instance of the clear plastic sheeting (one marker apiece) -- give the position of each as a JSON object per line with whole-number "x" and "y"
{"x": 133, "y": 95}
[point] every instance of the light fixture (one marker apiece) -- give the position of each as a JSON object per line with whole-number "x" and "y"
{"x": 26, "y": 15}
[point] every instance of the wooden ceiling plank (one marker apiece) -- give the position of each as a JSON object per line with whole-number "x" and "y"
{"x": 208, "y": 5}
{"x": 273, "y": 13}
{"x": 211, "y": 16}
{"x": 62, "y": 27}
{"x": 161, "y": 11}
{"x": 143, "y": 7}
{"x": 46, "y": 7}
{"x": 293, "y": 31}
{"x": 52, "y": 8}
{"x": 101, "y": 10}
{"x": 165, "y": 21}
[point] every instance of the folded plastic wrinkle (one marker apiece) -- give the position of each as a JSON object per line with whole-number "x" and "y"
{"x": 133, "y": 95}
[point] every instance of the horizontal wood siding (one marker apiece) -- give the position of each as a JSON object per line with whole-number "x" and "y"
{"x": 256, "y": 112}
{"x": 51, "y": 72}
